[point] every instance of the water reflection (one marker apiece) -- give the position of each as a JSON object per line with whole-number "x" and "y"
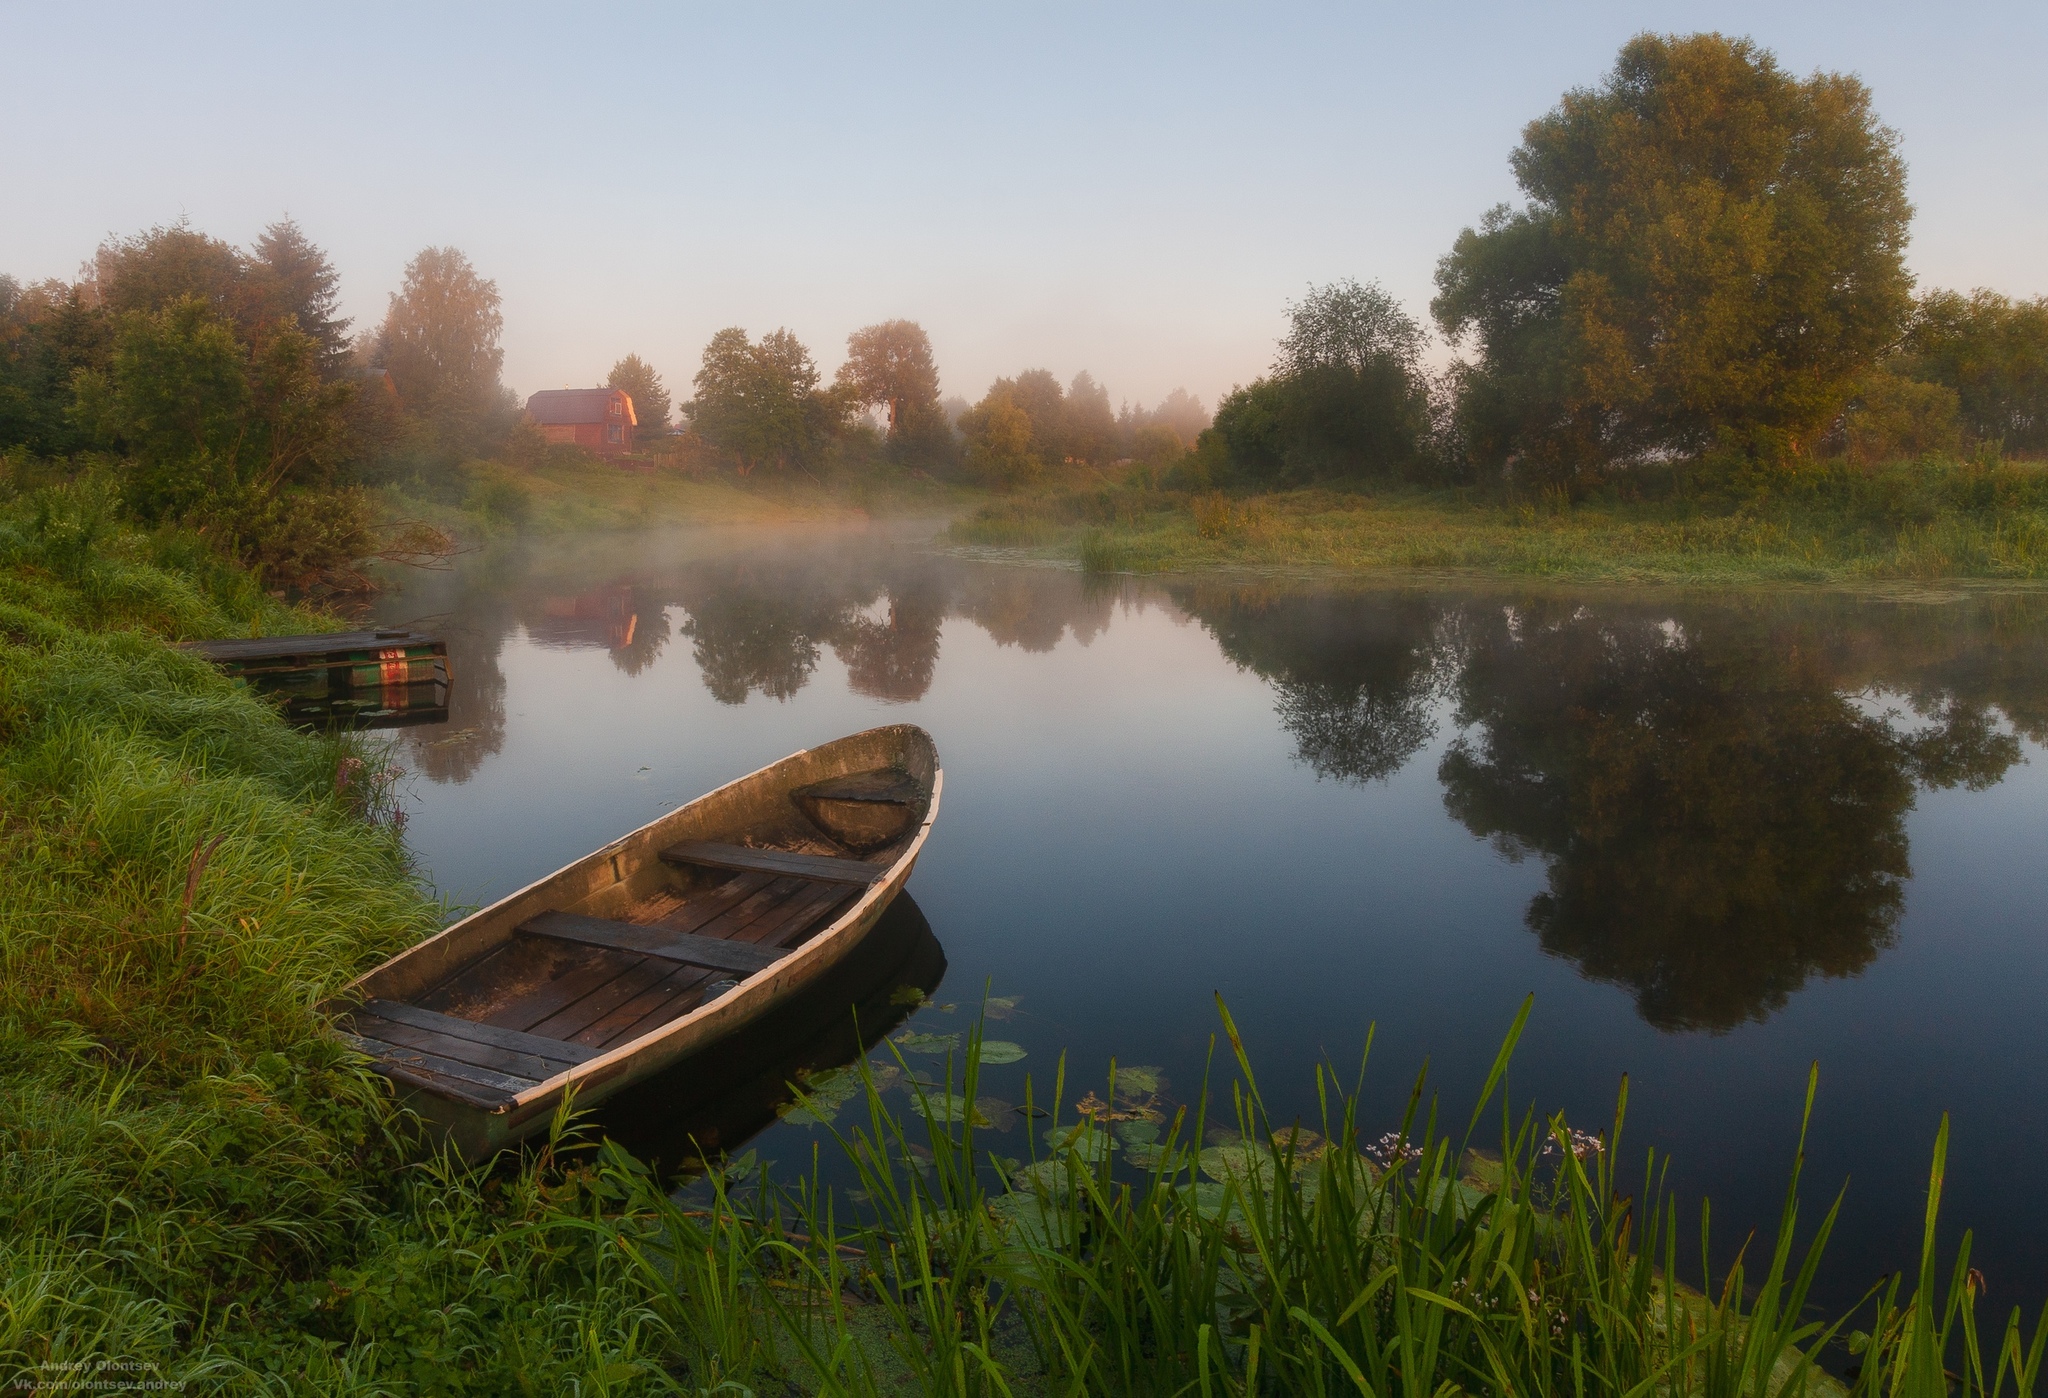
{"x": 730, "y": 1091}
{"x": 1353, "y": 674}
{"x": 1716, "y": 787}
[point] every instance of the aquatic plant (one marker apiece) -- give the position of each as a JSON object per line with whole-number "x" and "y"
{"x": 1132, "y": 1258}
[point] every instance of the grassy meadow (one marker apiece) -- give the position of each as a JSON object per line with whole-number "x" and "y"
{"x": 1930, "y": 519}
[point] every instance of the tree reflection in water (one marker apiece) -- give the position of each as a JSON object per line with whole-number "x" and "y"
{"x": 1719, "y": 823}
{"x": 1720, "y": 801}
{"x": 1717, "y": 788}
{"x": 1353, "y": 673}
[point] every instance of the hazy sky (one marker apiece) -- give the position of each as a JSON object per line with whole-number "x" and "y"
{"x": 1131, "y": 190}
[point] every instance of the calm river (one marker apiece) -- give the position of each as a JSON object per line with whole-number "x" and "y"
{"x": 1720, "y": 836}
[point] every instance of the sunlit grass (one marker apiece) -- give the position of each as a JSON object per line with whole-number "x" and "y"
{"x": 1912, "y": 521}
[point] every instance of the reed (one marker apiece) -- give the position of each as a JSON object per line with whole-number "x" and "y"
{"x": 1135, "y": 1260}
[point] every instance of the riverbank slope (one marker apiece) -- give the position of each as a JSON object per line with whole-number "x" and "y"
{"x": 1932, "y": 519}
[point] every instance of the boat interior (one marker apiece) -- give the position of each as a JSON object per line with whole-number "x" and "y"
{"x": 682, "y": 926}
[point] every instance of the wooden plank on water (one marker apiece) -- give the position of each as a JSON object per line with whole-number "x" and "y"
{"x": 713, "y": 953}
{"x": 455, "y": 1027}
{"x": 774, "y": 861}
{"x": 252, "y": 648}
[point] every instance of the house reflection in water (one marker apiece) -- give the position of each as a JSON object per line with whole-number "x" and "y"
{"x": 603, "y": 616}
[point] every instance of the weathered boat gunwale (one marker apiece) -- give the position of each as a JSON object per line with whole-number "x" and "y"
{"x": 480, "y": 1124}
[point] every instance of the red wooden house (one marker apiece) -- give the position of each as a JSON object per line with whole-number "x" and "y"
{"x": 596, "y": 419}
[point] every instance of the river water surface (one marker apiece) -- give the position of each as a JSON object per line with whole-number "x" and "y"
{"x": 1721, "y": 836}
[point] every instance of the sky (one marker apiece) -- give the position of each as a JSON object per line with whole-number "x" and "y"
{"x": 1132, "y": 190}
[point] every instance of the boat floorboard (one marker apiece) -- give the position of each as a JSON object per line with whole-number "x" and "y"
{"x": 569, "y": 987}
{"x": 519, "y": 1055}
{"x": 508, "y": 1083}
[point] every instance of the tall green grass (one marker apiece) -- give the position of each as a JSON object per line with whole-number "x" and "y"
{"x": 1136, "y": 1259}
{"x": 197, "y": 1181}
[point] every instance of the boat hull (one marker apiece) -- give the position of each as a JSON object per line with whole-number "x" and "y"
{"x": 610, "y": 882}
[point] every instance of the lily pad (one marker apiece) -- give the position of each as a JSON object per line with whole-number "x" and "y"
{"x": 1241, "y": 1164}
{"x": 1049, "y": 1178}
{"x": 1137, "y": 1133}
{"x": 1000, "y": 1006}
{"x": 823, "y": 1094}
{"x": 945, "y": 1107}
{"x": 999, "y": 1051}
{"x": 906, "y": 995}
{"x": 1087, "y": 1142}
{"x": 1139, "y": 1079}
{"x": 915, "y": 1042}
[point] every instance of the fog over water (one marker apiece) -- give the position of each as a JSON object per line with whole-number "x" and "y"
{"x": 1720, "y": 836}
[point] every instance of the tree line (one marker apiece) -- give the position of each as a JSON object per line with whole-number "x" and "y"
{"x": 1708, "y": 268}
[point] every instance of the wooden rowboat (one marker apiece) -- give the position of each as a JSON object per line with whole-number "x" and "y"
{"x": 652, "y": 947}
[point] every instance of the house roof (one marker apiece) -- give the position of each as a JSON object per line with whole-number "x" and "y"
{"x": 569, "y": 405}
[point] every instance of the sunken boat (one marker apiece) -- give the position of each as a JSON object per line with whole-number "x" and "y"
{"x": 651, "y": 948}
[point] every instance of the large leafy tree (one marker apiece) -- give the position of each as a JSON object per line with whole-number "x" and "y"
{"x": 439, "y": 340}
{"x": 889, "y": 366}
{"x": 636, "y": 378}
{"x": 759, "y": 401}
{"x": 1711, "y": 253}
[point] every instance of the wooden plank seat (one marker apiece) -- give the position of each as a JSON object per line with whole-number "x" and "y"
{"x": 711, "y": 953}
{"x": 828, "y": 868}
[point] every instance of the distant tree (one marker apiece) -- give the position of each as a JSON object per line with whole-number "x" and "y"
{"x": 1712, "y": 253}
{"x": 760, "y": 403}
{"x": 1347, "y": 396}
{"x": 1183, "y": 413}
{"x": 294, "y": 278}
{"x": 1039, "y": 395}
{"x": 1893, "y": 417}
{"x": 889, "y": 366}
{"x": 1351, "y": 327}
{"x": 439, "y": 341}
{"x": 1992, "y": 352}
{"x": 159, "y": 266}
{"x": 1087, "y": 426}
{"x": 1000, "y": 449}
{"x": 637, "y": 379}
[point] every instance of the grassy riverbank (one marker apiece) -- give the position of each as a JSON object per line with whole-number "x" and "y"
{"x": 202, "y": 1186}
{"x": 1923, "y": 520}
{"x": 571, "y": 492}
{"x": 197, "y": 1181}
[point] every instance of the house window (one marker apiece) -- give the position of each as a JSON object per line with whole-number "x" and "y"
{"x": 612, "y": 432}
